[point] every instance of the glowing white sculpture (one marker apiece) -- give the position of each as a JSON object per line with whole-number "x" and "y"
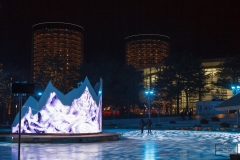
{"x": 83, "y": 115}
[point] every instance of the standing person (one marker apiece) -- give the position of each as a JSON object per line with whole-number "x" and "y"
{"x": 142, "y": 123}
{"x": 182, "y": 114}
{"x": 190, "y": 114}
{"x": 149, "y": 124}
{"x": 167, "y": 110}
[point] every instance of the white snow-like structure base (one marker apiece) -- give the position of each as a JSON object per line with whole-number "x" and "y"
{"x": 83, "y": 115}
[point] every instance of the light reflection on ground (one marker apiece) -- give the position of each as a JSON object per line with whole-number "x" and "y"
{"x": 169, "y": 144}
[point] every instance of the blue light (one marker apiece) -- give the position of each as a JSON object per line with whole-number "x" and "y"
{"x": 148, "y": 92}
{"x": 99, "y": 92}
{"x": 233, "y": 87}
{"x": 39, "y": 93}
{"x": 238, "y": 86}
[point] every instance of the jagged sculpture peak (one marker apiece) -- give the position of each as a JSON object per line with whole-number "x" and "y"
{"x": 79, "y": 111}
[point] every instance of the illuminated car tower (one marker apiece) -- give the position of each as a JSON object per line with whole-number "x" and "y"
{"x": 57, "y": 38}
{"x": 144, "y": 50}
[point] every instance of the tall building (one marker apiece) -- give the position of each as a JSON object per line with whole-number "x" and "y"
{"x": 57, "y": 38}
{"x": 146, "y": 53}
{"x": 145, "y": 50}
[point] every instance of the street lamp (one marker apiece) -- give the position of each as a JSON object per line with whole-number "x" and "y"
{"x": 22, "y": 89}
{"x": 38, "y": 95}
{"x": 235, "y": 90}
{"x": 158, "y": 111}
{"x": 113, "y": 112}
{"x": 148, "y": 94}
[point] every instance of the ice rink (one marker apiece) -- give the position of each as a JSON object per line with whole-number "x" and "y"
{"x": 160, "y": 144}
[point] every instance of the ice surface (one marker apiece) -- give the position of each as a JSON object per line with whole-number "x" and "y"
{"x": 160, "y": 145}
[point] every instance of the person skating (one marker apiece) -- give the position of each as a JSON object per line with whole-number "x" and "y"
{"x": 190, "y": 114}
{"x": 142, "y": 123}
{"x": 149, "y": 124}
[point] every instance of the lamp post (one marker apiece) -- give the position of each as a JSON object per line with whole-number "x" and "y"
{"x": 235, "y": 91}
{"x": 39, "y": 94}
{"x": 113, "y": 112}
{"x": 148, "y": 94}
{"x": 198, "y": 114}
{"x": 158, "y": 111}
{"x": 21, "y": 89}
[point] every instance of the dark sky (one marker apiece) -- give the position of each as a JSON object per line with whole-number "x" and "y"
{"x": 204, "y": 27}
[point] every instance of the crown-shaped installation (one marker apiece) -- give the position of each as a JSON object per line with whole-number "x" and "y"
{"x": 79, "y": 111}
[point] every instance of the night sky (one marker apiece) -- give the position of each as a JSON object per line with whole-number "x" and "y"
{"x": 209, "y": 28}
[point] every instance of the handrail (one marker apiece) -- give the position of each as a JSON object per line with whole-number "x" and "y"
{"x": 9, "y": 125}
{"x": 227, "y": 148}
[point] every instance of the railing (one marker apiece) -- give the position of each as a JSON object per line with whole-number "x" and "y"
{"x": 5, "y": 126}
{"x": 226, "y": 148}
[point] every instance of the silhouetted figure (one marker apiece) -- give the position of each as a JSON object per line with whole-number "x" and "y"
{"x": 167, "y": 110}
{"x": 149, "y": 124}
{"x": 142, "y": 123}
{"x": 182, "y": 114}
{"x": 190, "y": 114}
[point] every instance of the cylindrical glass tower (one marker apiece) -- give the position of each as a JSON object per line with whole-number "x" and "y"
{"x": 146, "y": 49}
{"x": 57, "y": 38}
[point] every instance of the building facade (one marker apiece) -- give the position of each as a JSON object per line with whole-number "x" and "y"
{"x": 144, "y": 50}
{"x": 57, "y": 38}
{"x": 210, "y": 66}
{"x": 146, "y": 53}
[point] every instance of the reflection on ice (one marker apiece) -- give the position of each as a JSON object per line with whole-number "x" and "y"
{"x": 225, "y": 143}
{"x": 169, "y": 144}
{"x": 149, "y": 151}
{"x": 181, "y": 134}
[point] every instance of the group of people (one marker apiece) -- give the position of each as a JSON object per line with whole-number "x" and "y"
{"x": 188, "y": 113}
{"x": 148, "y": 123}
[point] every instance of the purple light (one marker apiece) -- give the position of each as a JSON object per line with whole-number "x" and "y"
{"x": 83, "y": 116}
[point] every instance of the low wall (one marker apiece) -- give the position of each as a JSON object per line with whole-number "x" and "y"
{"x": 155, "y": 120}
{"x": 137, "y": 120}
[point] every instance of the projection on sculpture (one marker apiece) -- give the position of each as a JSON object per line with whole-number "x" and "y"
{"x": 79, "y": 111}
